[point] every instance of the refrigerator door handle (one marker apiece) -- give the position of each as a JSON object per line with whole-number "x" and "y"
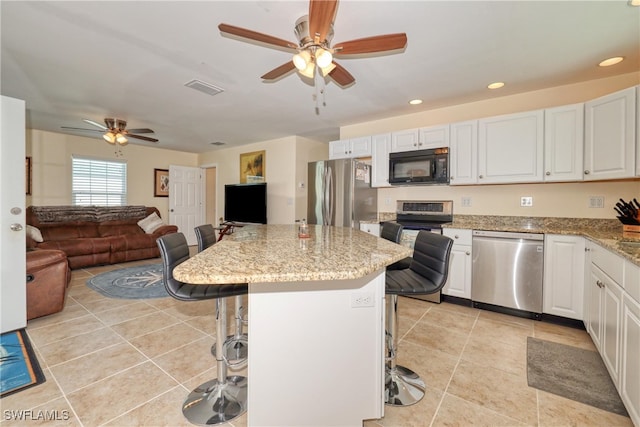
{"x": 330, "y": 201}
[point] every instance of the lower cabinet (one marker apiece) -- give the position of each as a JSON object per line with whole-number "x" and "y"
{"x": 459, "y": 278}
{"x": 371, "y": 229}
{"x": 563, "y": 276}
{"x": 630, "y": 361}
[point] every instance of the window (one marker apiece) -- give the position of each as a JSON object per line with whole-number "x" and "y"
{"x": 99, "y": 182}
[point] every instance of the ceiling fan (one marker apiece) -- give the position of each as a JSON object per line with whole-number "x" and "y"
{"x": 314, "y": 51}
{"x": 114, "y": 131}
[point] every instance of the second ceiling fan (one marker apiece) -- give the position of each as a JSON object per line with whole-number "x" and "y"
{"x": 314, "y": 52}
{"x": 115, "y": 131}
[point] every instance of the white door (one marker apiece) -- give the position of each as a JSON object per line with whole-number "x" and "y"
{"x": 185, "y": 208}
{"x": 13, "y": 288}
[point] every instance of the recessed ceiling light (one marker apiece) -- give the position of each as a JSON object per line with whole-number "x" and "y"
{"x": 611, "y": 61}
{"x": 415, "y": 102}
{"x": 496, "y": 85}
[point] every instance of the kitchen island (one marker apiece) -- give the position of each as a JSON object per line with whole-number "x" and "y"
{"x": 316, "y": 319}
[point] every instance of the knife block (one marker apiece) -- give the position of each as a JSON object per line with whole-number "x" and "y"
{"x": 631, "y": 228}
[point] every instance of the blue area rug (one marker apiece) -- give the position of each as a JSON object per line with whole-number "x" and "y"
{"x": 143, "y": 281}
{"x": 19, "y": 367}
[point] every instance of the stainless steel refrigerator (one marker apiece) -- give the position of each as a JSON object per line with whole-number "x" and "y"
{"x": 340, "y": 193}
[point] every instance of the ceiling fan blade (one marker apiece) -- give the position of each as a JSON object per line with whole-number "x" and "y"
{"x": 279, "y": 71}
{"x": 321, "y": 15}
{"x": 91, "y": 122}
{"x": 121, "y": 124}
{"x": 110, "y": 123}
{"x": 381, "y": 43}
{"x": 341, "y": 76}
{"x": 254, "y": 35}
{"x": 82, "y": 129}
{"x": 144, "y": 138}
{"x": 143, "y": 130}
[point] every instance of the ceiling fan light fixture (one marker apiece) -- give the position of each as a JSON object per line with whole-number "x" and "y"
{"x": 309, "y": 71}
{"x": 109, "y": 137}
{"x": 122, "y": 140}
{"x": 323, "y": 57}
{"x": 302, "y": 60}
{"x": 611, "y": 61}
{"x": 326, "y": 70}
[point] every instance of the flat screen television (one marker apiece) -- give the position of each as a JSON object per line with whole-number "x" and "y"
{"x": 246, "y": 203}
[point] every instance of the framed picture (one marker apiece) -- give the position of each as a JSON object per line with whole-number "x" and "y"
{"x": 161, "y": 183}
{"x": 27, "y": 171}
{"x": 252, "y": 167}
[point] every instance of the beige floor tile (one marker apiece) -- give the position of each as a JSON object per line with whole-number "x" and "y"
{"x": 186, "y": 310}
{"x": 80, "y": 274}
{"x": 505, "y": 356}
{"x": 162, "y": 341}
{"x": 494, "y": 389}
{"x": 188, "y": 361}
{"x": 417, "y": 415}
{"x": 95, "y": 366}
{"x": 455, "y": 412}
{"x": 558, "y": 411}
{"x": 449, "y": 319}
{"x": 564, "y": 335}
{"x": 144, "y": 324}
{"x": 509, "y": 333}
{"x": 98, "y": 303}
{"x": 464, "y": 310}
{"x": 32, "y": 397}
{"x": 70, "y": 348}
{"x": 163, "y": 303}
{"x": 59, "y": 331}
{"x": 128, "y": 312}
{"x": 501, "y": 317}
{"x": 163, "y": 411}
{"x": 111, "y": 397}
{"x": 413, "y": 308}
{"x": 437, "y": 338}
{"x": 70, "y": 311}
{"x": 433, "y": 366}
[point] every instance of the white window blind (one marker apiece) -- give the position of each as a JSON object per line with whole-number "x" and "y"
{"x": 99, "y": 182}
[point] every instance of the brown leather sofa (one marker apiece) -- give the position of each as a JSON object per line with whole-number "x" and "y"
{"x": 95, "y": 235}
{"x": 48, "y": 276}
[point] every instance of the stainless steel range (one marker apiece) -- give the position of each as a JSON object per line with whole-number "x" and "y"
{"x": 416, "y": 215}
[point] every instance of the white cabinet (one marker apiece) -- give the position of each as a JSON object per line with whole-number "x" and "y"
{"x": 637, "y": 130}
{"x": 405, "y": 140}
{"x": 370, "y": 228}
{"x": 350, "y": 148}
{"x": 380, "y": 148}
{"x": 629, "y": 363}
{"x": 433, "y": 137}
{"x": 610, "y": 145}
{"x": 563, "y": 283}
{"x": 510, "y": 148}
{"x": 463, "y": 153}
{"x": 564, "y": 143}
{"x": 460, "y": 263}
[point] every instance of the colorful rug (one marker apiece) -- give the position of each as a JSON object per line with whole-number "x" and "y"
{"x": 141, "y": 282}
{"x": 573, "y": 373}
{"x": 19, "y": 367}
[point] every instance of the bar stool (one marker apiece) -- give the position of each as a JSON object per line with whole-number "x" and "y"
{"x": 392, "y": 231}
{"x": 427, "y": 274}
{"x": 224, "y": 398}
{"x": 236, "y": 345}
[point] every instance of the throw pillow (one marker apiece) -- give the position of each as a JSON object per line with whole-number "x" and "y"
{"x": 34, "y": 233}
{"x": 151, "y": 223}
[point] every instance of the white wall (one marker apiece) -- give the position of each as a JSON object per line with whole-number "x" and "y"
{"x": 561, "y": 200}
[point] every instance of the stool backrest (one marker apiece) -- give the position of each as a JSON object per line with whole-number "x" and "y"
{"x": 431, "y": 257}
{"x": 392, "y": 231}
{"x": 206, "y": 236}
{"x": 174, "y": 250}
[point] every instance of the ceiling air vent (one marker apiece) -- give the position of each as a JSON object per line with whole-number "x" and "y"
{"x": 207, "y": 88}
{"x": 217, "y": 143}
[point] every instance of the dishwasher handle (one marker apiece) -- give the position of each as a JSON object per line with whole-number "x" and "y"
{"x": 507, "y": 235}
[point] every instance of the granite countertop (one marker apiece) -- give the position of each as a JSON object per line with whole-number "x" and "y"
{"x": 605, "y": 232}
{"x": 274, "y": 253}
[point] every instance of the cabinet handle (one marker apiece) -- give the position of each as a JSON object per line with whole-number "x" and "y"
{"x": 548, "y": 173}
{"x": 451, "y": 178}
{"x": 586, "y": 172}
{"x": 456, "y": 236}
{"x": 600, "y": 284}
{"x": 587, "y": 249}
{"x": 468, "y": 253}
{"x": 480, "y": 176}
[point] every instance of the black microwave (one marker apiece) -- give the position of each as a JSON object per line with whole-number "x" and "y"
{"x": 419, "y": 167}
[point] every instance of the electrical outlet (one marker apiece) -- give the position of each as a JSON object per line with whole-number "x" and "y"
{"x": 526, "y": 201}
{"x": 465, "y": 201}
{"x": 362, "y": 299}
{"x": 387, "y": 201}
{"x": 596, "y": 202}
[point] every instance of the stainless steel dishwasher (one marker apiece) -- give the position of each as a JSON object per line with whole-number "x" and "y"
{"x": 507, "y": 270}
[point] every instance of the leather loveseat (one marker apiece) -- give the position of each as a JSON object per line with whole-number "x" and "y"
{"x": 95, "y": 235}
{"x": 48, "y": 276}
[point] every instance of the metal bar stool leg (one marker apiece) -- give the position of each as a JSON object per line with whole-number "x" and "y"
{"x": 236, "y": 346}
{"x": 402, "y": 387}
{"x": 220, "y": 400}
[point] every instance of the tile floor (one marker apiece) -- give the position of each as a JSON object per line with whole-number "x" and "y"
{"x": 131, "y": 363}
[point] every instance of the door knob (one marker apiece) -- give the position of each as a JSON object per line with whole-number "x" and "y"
{"x": 16, "y": 227}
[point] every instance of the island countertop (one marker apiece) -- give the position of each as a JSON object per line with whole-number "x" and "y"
{"x": 275, "y": 253}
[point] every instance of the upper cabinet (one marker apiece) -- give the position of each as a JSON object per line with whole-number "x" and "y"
{"x": 350, "y": 148}
{"x": 510, "y": 148}
{"x": 563, "y": 143}
{"x": 420, "y": 139}
{"x": 610, "y": 142}
{"x": 380, "y": 148}
{"x": 463, "y": 153}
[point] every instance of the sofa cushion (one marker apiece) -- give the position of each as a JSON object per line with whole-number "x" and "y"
{"x": 107, "y": 230}
{"x": 81, "y": 246}
{"x": 69, "y": 231}
{"x": 130, "y": 242}
{"x": 34, "y": 233}
{"x": 151, "y": 223}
